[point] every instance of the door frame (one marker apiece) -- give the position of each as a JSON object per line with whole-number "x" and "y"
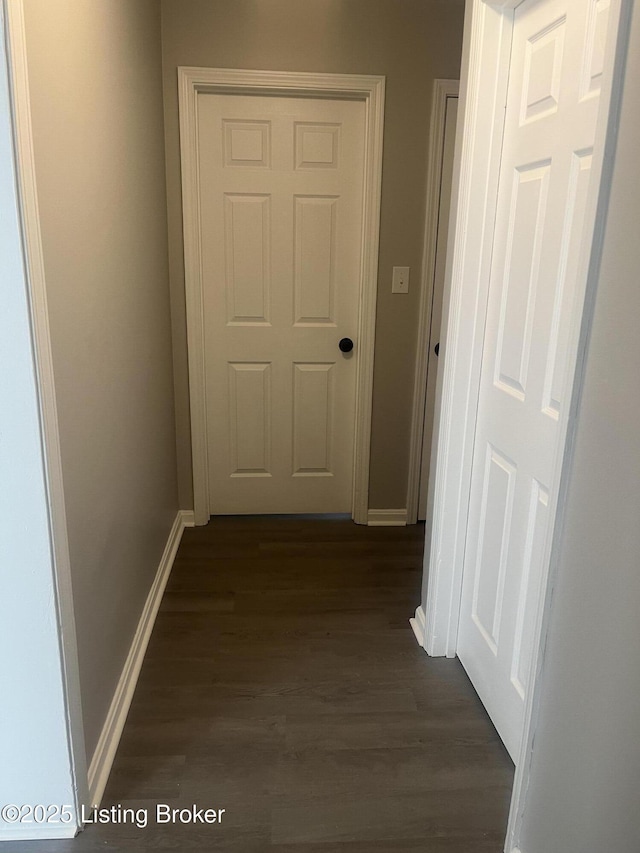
{"x": 62, "y": 606}
{"x": 484, "y": 79}
{"x": 367, "y": 88}
{"x": 443, "y": 89}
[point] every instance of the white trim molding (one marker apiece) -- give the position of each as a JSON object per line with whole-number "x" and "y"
{"x": 367, "y": 88}
{"x": 418, "y": 624}
{"x": 483, "y": 90}
{"x": 40, "y": 832}
{"x": 387, "y": 517}
{"x": 442, "y": 91}
{"x": 109, "y": 739}
{"x": 504, "y": 5}
{"x": 37, "y": 295}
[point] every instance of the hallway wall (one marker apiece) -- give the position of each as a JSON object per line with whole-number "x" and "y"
{"x": 96, "y": 98}
{"x": 411, "y": 42}
{"x": 583, "y": 791}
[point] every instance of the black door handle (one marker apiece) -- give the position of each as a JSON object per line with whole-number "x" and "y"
{"x": 436, "y": 349}
{"x": 346, "y": 345}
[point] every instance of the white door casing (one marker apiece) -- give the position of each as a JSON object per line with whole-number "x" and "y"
{"x": 552, "y": 105}
{"x": 435, "y": 324}
{"x": 281, "y": 217}
{"x": 439, "y": 177}
{"x": 62, "y": 606}
{"x": 194, "y": 82}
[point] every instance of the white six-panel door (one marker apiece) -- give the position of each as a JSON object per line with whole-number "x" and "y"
{"x": 281, "y": 185}
{"x": 552, "y": 102}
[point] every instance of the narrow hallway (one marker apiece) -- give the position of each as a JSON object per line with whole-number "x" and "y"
{"x": 283, "y": 684}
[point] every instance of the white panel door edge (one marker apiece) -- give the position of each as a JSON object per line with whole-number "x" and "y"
{"x": 370, "y": 90}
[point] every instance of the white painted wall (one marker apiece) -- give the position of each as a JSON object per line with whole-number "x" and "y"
{"x": 34, "y": 742}
{"x": 585, "y": 777}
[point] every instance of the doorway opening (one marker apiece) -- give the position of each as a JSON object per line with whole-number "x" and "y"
{"x": 318, "y": 382}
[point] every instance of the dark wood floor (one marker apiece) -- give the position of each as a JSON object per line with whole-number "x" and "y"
{"x": 284, "y": 685}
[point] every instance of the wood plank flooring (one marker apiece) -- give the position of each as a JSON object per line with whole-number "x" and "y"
{"x": 284, "y": 685}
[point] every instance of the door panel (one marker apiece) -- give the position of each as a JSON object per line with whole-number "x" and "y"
{"x": 312, "y": 420}
{"x": 527, "y": 368}
{"x": 496, "y": 511}
{"x": 281, "y": 186}
{"x": 315, "y": 254}
{"x": 247, "y": 229}
{"x": 250, "y": 416}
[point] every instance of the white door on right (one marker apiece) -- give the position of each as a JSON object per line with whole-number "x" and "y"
{"x": 555, "y": 77}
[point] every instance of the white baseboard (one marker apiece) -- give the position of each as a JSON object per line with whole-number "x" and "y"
{"x": 387, "y": 517}
{"x": 188, "y": 518}
{"x": 418, "y": 623}
{"x": 38, "y": 832}
{"x": 104, "y": 754}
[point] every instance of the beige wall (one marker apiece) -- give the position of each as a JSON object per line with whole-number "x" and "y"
{"x": 583, "y": 793}
{"x": 96, "y": 87}
{"x": 411, "y": 42}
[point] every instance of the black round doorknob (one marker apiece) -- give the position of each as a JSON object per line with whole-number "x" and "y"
{"x": 346, "y": 345}
{"x": 436, "y": 348}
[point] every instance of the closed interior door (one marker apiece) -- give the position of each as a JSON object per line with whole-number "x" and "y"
{"x": 527, "y": 369}
{"x": 281, "y": 186}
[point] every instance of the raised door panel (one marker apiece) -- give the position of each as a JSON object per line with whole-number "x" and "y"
{"x": 565, "y": 291}
{"x": 595, "y": 42}
{"x": 531, "y": 574}
{"x": 520, "y": 277}
{"x": 315, "y": 224}
{"x": 247, "y": 258}
{"x": 249, "y": 419}
{"x": 313, "y": 398}
{"x": 496, "y": 510}
{"x": 317, "y": 146}
{"x": 544, "y": 51}
{"x": 247, "y": 143}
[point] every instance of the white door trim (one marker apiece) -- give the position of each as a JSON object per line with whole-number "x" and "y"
{"x": 442, "y": 90}
{"x": 483, "y": 91}
{"x": 484, "y": 77}
{"x": 30, "y": 216}
{"x": 369, "y": 89}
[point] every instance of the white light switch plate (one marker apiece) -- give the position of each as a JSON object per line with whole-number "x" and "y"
{"x": 400, "y": 281}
